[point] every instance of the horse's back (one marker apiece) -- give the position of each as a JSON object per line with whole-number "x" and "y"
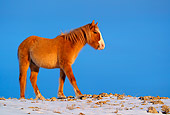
{"x": 27, "y": 42}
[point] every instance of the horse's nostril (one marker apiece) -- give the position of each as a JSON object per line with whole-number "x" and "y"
{"x": 99, "y": 46}
{"x": 102, "y": 45}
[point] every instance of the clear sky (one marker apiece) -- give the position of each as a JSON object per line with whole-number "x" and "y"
{"x": 136, "y": 60}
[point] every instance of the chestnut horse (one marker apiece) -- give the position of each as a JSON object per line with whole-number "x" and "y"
{"x": 60, "y": 52}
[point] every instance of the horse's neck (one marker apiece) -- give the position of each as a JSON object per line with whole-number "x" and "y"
{"x": 80, "y": 46}
{"x": 77, "y": 46}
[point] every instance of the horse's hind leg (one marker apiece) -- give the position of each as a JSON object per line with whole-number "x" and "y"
{"x": 61, "y": 83}
{"x": 33, "y": 79}
{"x": 23, "y": 67}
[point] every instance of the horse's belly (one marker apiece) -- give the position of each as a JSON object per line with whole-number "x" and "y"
{"x": 46, "y": 61}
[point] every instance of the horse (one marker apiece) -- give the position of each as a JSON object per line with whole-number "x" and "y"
{"x": 59, "y": 52}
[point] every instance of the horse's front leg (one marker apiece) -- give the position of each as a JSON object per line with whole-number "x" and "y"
{"x": 61, "y": 83}
{"x": 68, "y": 71}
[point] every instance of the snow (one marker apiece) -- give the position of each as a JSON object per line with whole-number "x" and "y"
{"x": 126, "y": 106}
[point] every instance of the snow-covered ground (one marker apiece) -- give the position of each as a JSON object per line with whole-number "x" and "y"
{"x": 98, "y": 105}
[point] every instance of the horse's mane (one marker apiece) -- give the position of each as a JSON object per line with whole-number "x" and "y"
{"x": 81, "y": 34}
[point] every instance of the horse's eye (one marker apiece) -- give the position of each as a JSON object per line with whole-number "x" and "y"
{"x": 95, "y": 32}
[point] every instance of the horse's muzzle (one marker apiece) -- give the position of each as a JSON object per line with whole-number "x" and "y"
{"x": 101, "y": 46}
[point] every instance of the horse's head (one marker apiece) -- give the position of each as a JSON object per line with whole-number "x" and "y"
{"x": 96, "y": 40}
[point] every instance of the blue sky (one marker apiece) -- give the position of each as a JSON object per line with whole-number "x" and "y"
{"x": 136, "y": 60}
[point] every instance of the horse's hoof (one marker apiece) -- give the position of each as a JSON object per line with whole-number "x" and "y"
{"x": 80, "y": 97}
{"x": 21, "y": 98}
{"x": 42, "y": 98}
{"x": 39, "y": 97}
{"x": 61, "y": 97}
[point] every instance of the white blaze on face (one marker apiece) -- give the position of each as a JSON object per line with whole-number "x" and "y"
{"x": 101, "y": 41}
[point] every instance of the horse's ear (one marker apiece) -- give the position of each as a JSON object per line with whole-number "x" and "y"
{"x": 93, "y": 23}
{"x": 96, "y": 23}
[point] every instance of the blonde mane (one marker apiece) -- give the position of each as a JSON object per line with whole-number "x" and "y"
{"x": 81, "y": 34}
